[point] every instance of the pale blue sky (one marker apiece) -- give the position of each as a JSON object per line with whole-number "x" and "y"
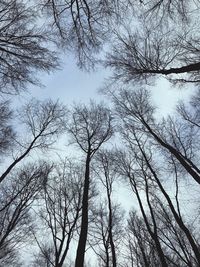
{"x": 70, "y": 84}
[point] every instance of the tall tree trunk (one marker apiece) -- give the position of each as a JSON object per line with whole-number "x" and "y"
{"x": 189, "y": 167}
{"x": 114, "y": 261}
{"x": 175, "y": 214}
{"x": 152, "y": 234}
{"x": 80, "y": 254}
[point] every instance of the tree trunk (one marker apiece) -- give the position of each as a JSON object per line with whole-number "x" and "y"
{"x": 80, "y": 254}
{"x": 185, "y": 163}
{"x": 184, "y": 69}
{"x": 175, "y": 214}
{"x": 152, "y": 234}
{"x": 114, "y": 263}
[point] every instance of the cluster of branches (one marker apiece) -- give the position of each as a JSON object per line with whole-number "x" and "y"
{"x": 33, "y": 34}
{"x": 70, "y": 205}
{"x": 59, "y": 206}
{"x": 164, "y": 41}
{"x": 55, "y": 195}
{"x": 156, "y": 154}
{"x": 162, "y": 38}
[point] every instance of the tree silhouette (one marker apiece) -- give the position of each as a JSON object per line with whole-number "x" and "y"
{"x": 90, "y": 127}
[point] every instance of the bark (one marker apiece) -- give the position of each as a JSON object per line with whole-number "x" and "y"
{"x": 184, "y": 69}
{"x": 79, "y": 262}
{"x": 114, "y": 263}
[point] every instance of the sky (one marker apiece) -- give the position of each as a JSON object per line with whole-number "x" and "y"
{"x": 70, "y": 84}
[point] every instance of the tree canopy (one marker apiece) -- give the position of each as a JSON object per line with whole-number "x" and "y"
{"x": 102, "y": 184}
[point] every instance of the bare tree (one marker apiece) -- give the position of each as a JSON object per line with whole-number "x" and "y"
{"x": 138, "y": 113}
{"x": 82, "y": 25}
{"x": 162, "y": 39}
{"x": 147, "y": 53}
{"x": 44, "y": 122}
{"x": 17, "y": 194}
{"x": 90, "y": 127}
{"x": 141, "y": 183}
{"x": 147, "y": 188}
{"x": 105, "y": 238}
{"x": 60, "y": 212}
{"x": 111, "y": 223}
{"x": 173, "y": 237}
{"x": 141, "y": 251}
{"x": 166, "y": 10}
{"x": 23, "y": 46}
{"x": 134, "y": 134}
{"x": 43, "y": 257}
{"x": 189, "y": 112}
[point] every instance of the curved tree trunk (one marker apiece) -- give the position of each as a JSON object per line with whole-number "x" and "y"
{"x": 171, "y": 206}
{"x": 188, "y": 165}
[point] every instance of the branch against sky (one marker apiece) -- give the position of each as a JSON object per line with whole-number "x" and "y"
{"x": 23, "y": 47}
{"x": 90, "y": 127}
{"x": 59, "y": 213}
{"x": 44, "y": 122}
{"x": 7, "y": 132}
{"x": 17, "y": 193}
{"x": 82, "y": 26}
{"x": 145, "y": 53}
{"x": 108, "y": 216}
{"x": 31, "y": 32}
{"x": 137, "y": 112}
{"x": 161, "y": 40}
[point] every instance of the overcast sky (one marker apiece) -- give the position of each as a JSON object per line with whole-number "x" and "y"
{"x": 70, "y": 84}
